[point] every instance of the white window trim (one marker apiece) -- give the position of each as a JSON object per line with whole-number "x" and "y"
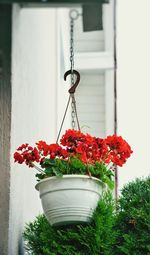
{"x": 108, "y": 22}
{"x": 94, "y": 61}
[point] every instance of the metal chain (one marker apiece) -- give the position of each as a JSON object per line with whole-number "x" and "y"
{"x": 72, "y": 49}
{"x": 73, "y": 114}
{"x": 73, "y": 16}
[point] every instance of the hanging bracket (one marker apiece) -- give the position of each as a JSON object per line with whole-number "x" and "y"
{"x": 74, "y": 86}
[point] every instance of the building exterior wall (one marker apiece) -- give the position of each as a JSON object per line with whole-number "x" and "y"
{"x": 38, "y": 103}
{"x": 34, "y": 107}
{"x": 133, "y": 47}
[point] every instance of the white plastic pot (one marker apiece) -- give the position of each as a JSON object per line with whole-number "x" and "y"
{"x": 70, "y": 199}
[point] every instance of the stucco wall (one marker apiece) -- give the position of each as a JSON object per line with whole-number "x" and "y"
{"x": 133, "y": 41}
{"x": 33, "y": 107}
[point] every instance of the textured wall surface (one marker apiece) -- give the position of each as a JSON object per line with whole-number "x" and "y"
{"x": 33, "y": 107}
{"x": 5, "y": 121}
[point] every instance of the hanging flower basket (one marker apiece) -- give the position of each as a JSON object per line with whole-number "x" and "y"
{"x": 70, "y": 199}
{"x": 73, "y": 174}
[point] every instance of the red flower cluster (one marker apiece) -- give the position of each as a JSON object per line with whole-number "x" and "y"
{"x": 53, "y": 150}
{"x": 91, "y": 149}
{"x": 113, "y": 149}
{"x": 77, "y": 143}
{"x": 119, "y": 149}
{"x": 27, "y": 154}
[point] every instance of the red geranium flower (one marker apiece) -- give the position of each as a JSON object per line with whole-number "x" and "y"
{"x": 18, "y": 158}
{"x": 27, "y": 154}
{"x": 43, "y": 147}
{"x": 119, "y": 149}
{"x": 71, "y": 138}
{"x": 89, "y": 150}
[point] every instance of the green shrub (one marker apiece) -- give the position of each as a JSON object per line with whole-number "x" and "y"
{"x": 125, "y": 233}
{"x": 95, "y": 238}
{"x": 132, "y": 224}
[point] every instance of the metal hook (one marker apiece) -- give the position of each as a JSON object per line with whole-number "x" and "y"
{"x": 73, "y": 88}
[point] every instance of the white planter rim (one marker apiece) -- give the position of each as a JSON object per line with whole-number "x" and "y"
{"x": 70, "y": 176}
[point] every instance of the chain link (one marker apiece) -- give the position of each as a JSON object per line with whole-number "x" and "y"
{"x": 73, "y": 114}
{"x": 73, "y": 16}
{"x": 72, "y": 49}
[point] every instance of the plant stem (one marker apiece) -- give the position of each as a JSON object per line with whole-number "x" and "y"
{"x": 37, "y": 168}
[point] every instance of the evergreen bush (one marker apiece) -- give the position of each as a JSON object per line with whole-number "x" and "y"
{"x": 95, "y": 238}
{"x": 132, "y": 223}
{"x": 126, "y": 232}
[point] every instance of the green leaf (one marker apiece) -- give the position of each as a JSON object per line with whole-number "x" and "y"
{"x": 56, "y": 172}
{"x": 110, "y": 183}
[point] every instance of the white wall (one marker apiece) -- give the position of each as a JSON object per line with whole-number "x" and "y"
{"x": 34, "y": 110}
{"x": 133, "y": 40}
